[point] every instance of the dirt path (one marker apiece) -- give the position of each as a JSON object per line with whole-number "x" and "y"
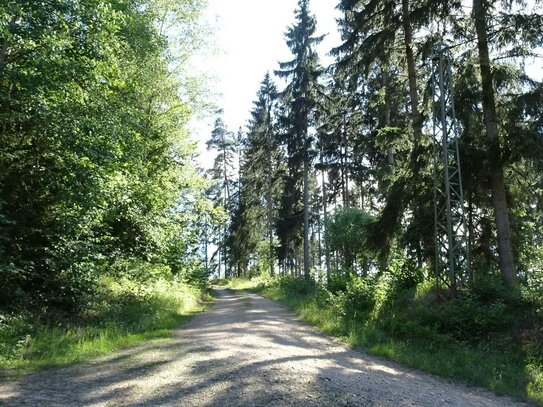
{"x": 246, "y": 351}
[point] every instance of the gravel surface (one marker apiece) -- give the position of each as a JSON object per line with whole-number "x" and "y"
{"x": 245, "y": 351}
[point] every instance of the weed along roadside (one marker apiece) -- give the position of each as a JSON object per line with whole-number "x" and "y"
{"x": 122, "y": 315}
{"x": 469, "y": 339}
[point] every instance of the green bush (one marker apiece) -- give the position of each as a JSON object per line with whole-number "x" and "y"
{"x": 359, "y": 295}
{"x": 338, "y": 283}
{"x": 295, "y": 286}
{"x": 405, "y": 274}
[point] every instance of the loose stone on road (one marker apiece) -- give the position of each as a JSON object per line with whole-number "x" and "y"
{"x": 245, "y": 351}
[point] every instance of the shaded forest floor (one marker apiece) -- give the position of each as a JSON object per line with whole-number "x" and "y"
{"x": 247, "y": 350}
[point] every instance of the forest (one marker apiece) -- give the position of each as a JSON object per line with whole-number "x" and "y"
{"x": 394, "y": 196}
{"x": 335, "y": 191}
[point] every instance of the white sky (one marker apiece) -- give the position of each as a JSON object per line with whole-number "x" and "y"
{"x": 249, "y": 37}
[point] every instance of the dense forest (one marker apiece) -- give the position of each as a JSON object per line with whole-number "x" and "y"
{"x": 333, "y": 192}
{"x": 335, "y": 174}
{"x": 98, "y": 170}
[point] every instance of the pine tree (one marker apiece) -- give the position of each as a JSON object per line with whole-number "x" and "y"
{"x": 300, "y": 99}
{"x": 520, "y": 32}
{"x": 253, "y": 216}
{"x": 222, "y": 141}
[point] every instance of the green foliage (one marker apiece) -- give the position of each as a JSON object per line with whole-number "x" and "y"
{"x": 404, "y": 274}
{"x": 356, "y": 300}
{"x": 346, "y": 232}
{"x": 123, "y": 313}
{"x": 359, "y": 295}
{"x": 297, "y": 287}
{"x": 465, "y": 318}
{"x": 97, "y": 175}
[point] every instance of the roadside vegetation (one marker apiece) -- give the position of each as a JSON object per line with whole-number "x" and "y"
{"x": 121, "y": 313}
{"x": 489, "y": 336}
{"x": 416, "y": 245}
{"x": 101, "y": 198}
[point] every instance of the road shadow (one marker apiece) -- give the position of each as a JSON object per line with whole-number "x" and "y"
{"x": 245, "y": 351}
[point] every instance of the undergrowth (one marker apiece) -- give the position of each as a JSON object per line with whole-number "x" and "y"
{"x": 488, "y": 336}
{"x": 122, "y": 313}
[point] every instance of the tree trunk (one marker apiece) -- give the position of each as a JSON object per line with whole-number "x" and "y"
{"x": 205, "y": 247}
{"x": 226, "y": 200}
{"x": 344, "y": 164}
{"x": 325, "y": 214}
{"x": 390, "y": 152}
{"x": 270, "y": 213}
{"x": 306, "y": 215}
{"x": 219, "y": 258}
{"x": 497, "y": 183}
{"x": 319, "y": 237}
{"x": 411, "y": 71}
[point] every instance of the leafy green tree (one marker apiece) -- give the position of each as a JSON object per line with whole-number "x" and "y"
{"x": 346, "y": 233}
{"x": 94, "y": 149}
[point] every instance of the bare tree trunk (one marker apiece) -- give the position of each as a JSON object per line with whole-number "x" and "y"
{"x": 205, "y": 246}
{"x": 390, "y": 152}
{"x": 497, "y": 183}
{"x": 342, "y": 166}
{"x": 325, "y": 213}
{"x": 411, "y": 71}
{"x": 345, "y": 164}
{"x": 225, "y": 231}
{"x": 319, "y": 236}
{"x": 219, "y": 258}
{"x": 306, "y": 215}
{"x": 270, "y": 214}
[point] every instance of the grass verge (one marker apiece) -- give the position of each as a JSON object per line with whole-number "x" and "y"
{"x": 124, "y": 314}
{"x": 496, "y": 363}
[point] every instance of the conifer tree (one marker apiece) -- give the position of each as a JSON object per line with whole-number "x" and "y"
{"x": 253, "y": 216}
{"x": 300, "y": 99}
{"x": 222, "y": 141}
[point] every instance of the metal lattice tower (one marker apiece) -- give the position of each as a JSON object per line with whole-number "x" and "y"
{"x": 452, "y": 256}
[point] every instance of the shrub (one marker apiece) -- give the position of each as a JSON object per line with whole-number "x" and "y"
{"x": 338, "y": 283}
{"x": 359, "y": 296}
{"x": 298, "y": 286}
{"x": 405, "y": 274}
{"x": 466, "y": 318}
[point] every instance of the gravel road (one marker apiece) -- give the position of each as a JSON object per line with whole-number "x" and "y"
{"x": 245, "y": 351}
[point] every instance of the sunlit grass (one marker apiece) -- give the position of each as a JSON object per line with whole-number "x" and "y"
{"x": 123, "y": 317}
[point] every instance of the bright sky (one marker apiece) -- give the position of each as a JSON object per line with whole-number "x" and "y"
{"x": 249, "y": 38}
{"x": 250, "y": 41}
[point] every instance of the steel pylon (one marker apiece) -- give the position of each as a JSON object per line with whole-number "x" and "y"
{"x": 452, "y": 264}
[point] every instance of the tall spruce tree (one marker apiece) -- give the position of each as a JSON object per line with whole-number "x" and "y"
{"x": 300, "y": 100}
{"x": 253, "y": 217}
{"x": 223, "y": 143}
